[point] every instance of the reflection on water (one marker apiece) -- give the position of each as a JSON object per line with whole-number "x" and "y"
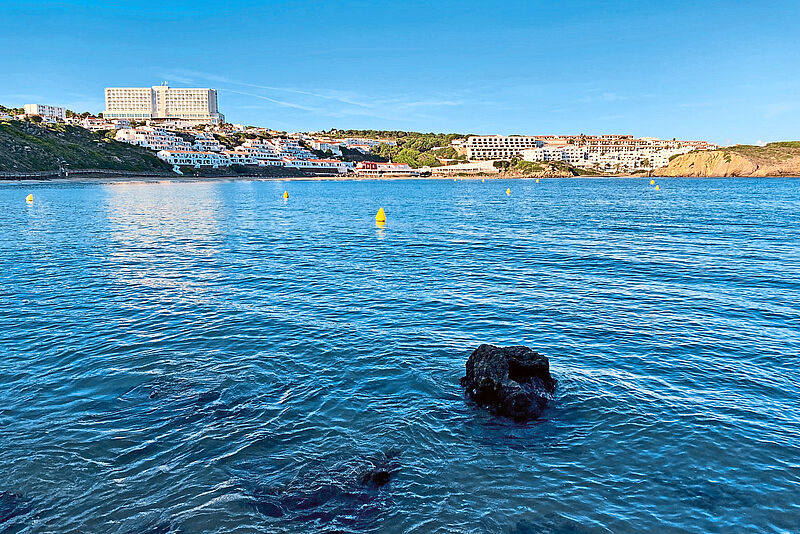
{"x": 210, "y": 357}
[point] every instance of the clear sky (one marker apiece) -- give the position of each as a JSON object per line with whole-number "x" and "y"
{"x": 725, "y": 71}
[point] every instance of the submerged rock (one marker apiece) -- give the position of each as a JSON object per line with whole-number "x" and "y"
{"x": 11, "y": 506}
{"x": 348, "y": 493}
{"x": 510, "y": 381}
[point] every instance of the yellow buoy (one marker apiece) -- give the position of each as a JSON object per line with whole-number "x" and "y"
{"x": 285, "y": 195}
{"x": 537, "y": 180}
{"x": 652, "y": 182}
{"x": 380, "y": 217}
{"x": 658, "y": 188}
{"x": 482, "y": 180}
{"x": 508, "y": 191}
{"x": 29, "y": 198}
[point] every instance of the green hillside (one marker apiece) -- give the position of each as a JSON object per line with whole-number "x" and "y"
{"x": 417, "y": 149}
{"x": 27, "y": 146}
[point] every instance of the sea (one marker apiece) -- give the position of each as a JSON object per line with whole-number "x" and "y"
{"x": 209, "y": 357}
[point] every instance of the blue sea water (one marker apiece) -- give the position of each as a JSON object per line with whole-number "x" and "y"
{"x": 206, "y": 357}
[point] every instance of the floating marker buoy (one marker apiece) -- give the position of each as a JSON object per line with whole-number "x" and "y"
{"x": 652, "y": 182}
{"x": 658, "y": 188}
{"x": 29, "y": 198}
{"x": 380, "y": 217}
{"x": 285, "y": 195}
{"x": 482, "y": 180}
{"x": 508, "y": 191}
{"x": 537, "y": 180}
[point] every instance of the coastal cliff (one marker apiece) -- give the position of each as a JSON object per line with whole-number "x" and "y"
{"x": 774, "y": 159}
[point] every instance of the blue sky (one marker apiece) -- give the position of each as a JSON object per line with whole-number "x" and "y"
{"x": 727, "y": 71}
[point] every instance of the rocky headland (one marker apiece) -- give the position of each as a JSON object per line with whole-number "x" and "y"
{"x": 774, "y": 159}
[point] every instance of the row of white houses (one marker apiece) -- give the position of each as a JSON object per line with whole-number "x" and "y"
{"x": 581, "y": 156}
{"x": 207, "y": 159}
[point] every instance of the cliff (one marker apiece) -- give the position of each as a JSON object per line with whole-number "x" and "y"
{"x": 774, "y": 159}
{"x": 30, "y": 147}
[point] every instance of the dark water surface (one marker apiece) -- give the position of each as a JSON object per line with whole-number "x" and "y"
{"x": 205, "y": 357}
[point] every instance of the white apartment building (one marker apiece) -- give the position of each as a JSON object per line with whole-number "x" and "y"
{"x": 205, "y": 142}
{"x": 326, "y": 146}
{"x": 572, "y": 154}
{"x": 291, "y": 148}
{"x": 332, "y": 165}
{"x": 192, "y": 158}
{"x": 163, "y": 103}
{"x": 153, "y": 138}
{"x": 236, "y": 157}
{"x": 350, "y": 141}
{"x": 660, "y": 158}
{"x": 264, "y": 152}
{"x": 45, "y": 111}
{"x": 480, "y": 147}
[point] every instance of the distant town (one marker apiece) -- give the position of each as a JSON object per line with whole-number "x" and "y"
{"x": 184, "y": 128}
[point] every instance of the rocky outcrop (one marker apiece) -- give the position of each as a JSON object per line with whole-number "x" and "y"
{"x": 512, "y": 382}
{"x": 774, "y": 159}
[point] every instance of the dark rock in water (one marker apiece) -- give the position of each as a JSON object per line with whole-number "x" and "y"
{"x": 207, "y": 397}
{"x": 510, "y": 381}
{"x": 376, "y": 477}
{"x": 348, "y": 493}
{"x": 378, "y": 470}
{"x": 11, "y": 506}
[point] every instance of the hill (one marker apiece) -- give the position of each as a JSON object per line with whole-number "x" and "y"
{"x": 29, "y": 147}
{"x": 774, "y": 159}
{"x": 417, "y": 149}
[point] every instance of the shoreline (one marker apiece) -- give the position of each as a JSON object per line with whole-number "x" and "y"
{"x": 111, "y": 179}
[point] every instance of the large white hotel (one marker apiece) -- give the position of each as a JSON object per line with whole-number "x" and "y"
{"x": 163, "y": 103}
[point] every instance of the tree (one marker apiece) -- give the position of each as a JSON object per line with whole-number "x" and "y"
{"x": 428, "y": 160}
{"x": 36, "y": 118}
{"x": 408, "y": 156}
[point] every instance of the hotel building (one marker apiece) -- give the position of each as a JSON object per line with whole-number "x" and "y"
{"x": 164, "y": 104}
{"x": 45, "y": 111}
{"x": 499, "y": 146}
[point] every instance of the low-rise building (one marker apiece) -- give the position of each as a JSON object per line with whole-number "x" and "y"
{"x": 373, "y": 168}
{"x": 264, "y": 152}
{"x": 206, "y": 142}
{"x": 475, "y": 167}
{"x": 192, "y": 158}
{"x": 94, "y": 124}
{"x": 237, "y": 157}
{"x": 290, "y": 148}
{"x": 152, "y": 137}
{"x": 317, "y": 165}
{"x": 326, "y": 146}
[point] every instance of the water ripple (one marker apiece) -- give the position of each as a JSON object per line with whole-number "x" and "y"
{"x": 204, "y": 357}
